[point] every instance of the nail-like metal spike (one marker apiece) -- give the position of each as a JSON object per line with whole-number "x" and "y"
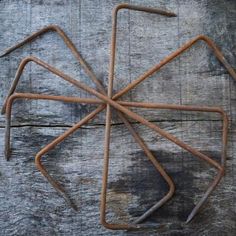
{"x": 106, "y": 101}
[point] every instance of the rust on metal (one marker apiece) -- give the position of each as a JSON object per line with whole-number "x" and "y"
{"x": 105, "y": 101}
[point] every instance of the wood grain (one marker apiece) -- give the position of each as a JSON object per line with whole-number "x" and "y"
{"x": 30, "y": 206}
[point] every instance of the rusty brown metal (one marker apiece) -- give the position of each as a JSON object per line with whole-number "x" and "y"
{"x": 93, "y": 77}
{"x": 157, "y": 129}
{"x": 106, "y": 102}
{"x": 40, "y": 167}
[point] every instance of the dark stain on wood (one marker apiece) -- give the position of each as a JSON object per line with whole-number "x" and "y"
{"x": 30, "y": 206}
{"x": 143, "y": 181}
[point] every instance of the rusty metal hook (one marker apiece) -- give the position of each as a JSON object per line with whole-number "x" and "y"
{"x": 137, "y": 81}
{"x": 40, "y": 166}
{"x": 120, "y": 106}
{"x": 92, "y": 76}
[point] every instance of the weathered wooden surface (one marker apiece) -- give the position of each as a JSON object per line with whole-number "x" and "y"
{"x": 30, "y": 206}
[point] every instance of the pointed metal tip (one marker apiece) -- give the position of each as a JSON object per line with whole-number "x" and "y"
{"x": 190, "y": 217}
{"x": 3, "y": 54}
{"x": 7, "y": 155}
{"x": 138, "y": 221}
{"x": 74, "y": 207}
{"x": 69, "y": 202}
{"x": 3, "y": 111}
{"x": 173, "y": 14}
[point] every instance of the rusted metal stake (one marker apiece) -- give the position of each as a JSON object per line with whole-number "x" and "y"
{"x": 108, "y": 101}
{"x": 93, "y": 77}
{"x": 137, "y": 81}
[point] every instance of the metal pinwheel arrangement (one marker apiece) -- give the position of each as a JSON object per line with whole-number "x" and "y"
{"x": 105, "y": 99}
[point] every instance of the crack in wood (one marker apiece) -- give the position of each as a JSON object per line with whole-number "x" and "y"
{"x": 101, "y": 124}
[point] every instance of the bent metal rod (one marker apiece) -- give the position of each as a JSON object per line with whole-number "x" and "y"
{"x": 106, "y": 102}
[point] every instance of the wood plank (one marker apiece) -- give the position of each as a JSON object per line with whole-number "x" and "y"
{"x": 29, "y": 205}
{"x": 134, "y": 185}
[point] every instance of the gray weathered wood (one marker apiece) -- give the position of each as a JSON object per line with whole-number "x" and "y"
{"x": 30, "y": 206}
